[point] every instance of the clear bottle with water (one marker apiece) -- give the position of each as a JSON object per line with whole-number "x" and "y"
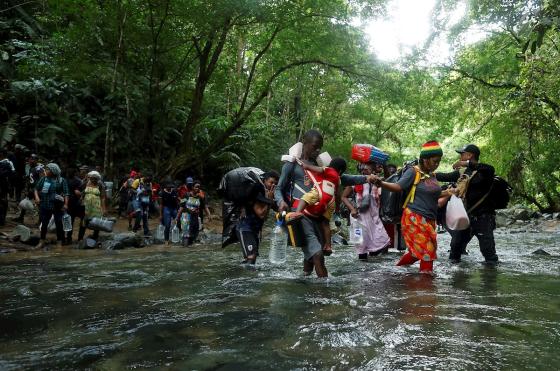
{"x": 355, "y": 232}
{"x": 160, "y": 232}
{"x": 66, "y": 222}
{"x": 175, "y": 235}
{"x": 278, "y": 244}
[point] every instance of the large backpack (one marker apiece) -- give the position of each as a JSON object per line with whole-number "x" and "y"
{"x": 238, "y": 187}
{"x": 499, "y": 194}
{"x": 241, "y": 185}
{"x": 392, "y": 202}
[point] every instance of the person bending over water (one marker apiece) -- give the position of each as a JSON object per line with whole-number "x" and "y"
{"x": 253, "y": 216}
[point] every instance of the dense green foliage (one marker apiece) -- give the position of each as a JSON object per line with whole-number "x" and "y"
{"x": 200, "y": 87}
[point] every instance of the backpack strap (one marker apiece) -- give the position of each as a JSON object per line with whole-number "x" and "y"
{"x": 464, "y": 186}
{"x": 412, "y": 192}
{"x": 481, "y": 200}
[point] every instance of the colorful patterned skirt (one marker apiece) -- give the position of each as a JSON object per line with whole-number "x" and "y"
{"x": 419, "y": 235}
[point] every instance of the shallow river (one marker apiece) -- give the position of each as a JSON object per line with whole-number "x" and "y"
{"x": 198, "y": 308}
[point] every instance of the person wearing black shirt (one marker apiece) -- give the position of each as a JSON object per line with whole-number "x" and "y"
{"x": 169, "y": 206}
{"x": 75, "y": 206}
{"x": 479, "y": 207}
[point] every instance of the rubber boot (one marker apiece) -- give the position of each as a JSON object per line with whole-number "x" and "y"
{"x": 362, "y": 257}
{"x": 426, "y": 267}
{"x": 407, "y": 259}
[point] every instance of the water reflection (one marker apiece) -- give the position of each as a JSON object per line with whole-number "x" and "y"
{"x": 175, "y": 308}
{"x": 420, "y": 302}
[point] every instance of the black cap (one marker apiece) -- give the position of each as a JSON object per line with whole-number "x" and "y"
{"x": 265, "y": 200}
{"x": 471, "y": 148}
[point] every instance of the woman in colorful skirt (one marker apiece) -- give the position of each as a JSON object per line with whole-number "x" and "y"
{"x": 420, "y": 207}
{"x": 366, "y": 212}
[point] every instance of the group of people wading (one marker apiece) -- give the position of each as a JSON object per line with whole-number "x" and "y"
{"x": 311, "y": 193}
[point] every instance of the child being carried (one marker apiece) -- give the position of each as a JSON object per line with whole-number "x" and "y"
{"x": 321, "y": 201}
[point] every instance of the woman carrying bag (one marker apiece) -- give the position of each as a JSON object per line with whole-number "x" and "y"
{"x": 420, "y": 207}
{"x": 93, "y": 199}
{"x": 375, "y": 238}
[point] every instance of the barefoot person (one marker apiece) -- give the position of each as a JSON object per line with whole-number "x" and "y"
{"x": 293, "y": 184}
{"x": 322, "y": 200}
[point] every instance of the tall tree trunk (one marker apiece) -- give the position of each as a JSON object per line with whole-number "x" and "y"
{"x": 109, "y": 140}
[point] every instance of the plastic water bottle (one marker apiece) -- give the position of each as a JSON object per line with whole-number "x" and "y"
{"x": 66, "y": 222}
{"x": 355, "y": 232}
{"x": 175, "y": 238}
{"x": 278, "y": 244}
{"x": 160, "y": 232}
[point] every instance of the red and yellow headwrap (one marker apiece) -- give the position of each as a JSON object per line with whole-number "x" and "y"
{"x": 430, "y": 149}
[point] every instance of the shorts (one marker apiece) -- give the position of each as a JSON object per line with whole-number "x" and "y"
{"x": 313, "y": 237}
{"x": 249, "y": 242}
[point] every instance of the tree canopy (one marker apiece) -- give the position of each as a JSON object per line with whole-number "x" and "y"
{"x": 203, "y": 86}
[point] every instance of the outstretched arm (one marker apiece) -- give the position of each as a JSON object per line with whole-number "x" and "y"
{"x": 346, "y": 201}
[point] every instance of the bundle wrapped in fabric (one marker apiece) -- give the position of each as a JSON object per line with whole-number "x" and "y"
{"x": 101, "y": 224}
{"x": 293, "y": 153}
{"x": 241, "y": 185}
{"x": 368, "y": 153}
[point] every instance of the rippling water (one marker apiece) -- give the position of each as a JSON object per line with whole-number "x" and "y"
{"x": 200, "y": 309}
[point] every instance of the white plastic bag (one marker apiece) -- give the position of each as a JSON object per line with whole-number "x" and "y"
{"x": 355, "y": 232}
{"x": 324, "y": 159}
{"x": 293, "y": 153}
{"x": 51, "y": 227}
{"x": 456, "y": 217}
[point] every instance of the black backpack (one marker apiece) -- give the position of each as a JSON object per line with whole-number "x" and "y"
{"x": 500, "y": 193}
{"x": 392, "y": 202}
{"x": 238, "y": 187}
{"x": 241, "y": 185}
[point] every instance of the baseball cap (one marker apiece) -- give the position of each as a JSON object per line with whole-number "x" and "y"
{"x": 262, "y": 198}
{"x": 471, "y": 148}
{"x": 189, "y": 180}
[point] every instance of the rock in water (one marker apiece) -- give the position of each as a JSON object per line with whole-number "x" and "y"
{"x": 123, "y": 241}
{"x": 540, "y": 252}
{"x": 522, "y": 214}
{"x": 337, "y": 239}
{"x": 88, "y": 243}
{"x": 502, "y": 221}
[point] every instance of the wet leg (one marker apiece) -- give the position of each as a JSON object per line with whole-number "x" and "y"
{"x": 307, "y": 267}
{"x": 459, "y": 242}
{"x": 319, "y": 263}
{"x": 483, "y": 228}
